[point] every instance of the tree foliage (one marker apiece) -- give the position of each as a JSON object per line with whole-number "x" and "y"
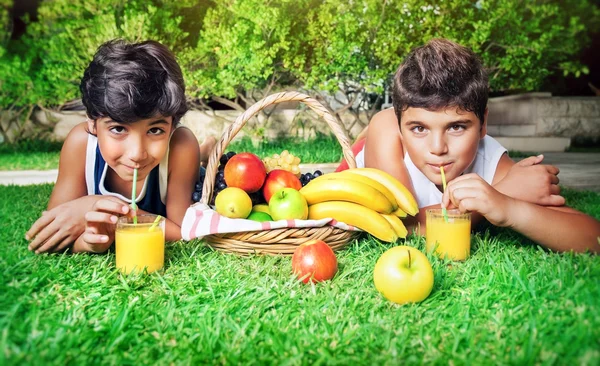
{"x": 236, "y": 51}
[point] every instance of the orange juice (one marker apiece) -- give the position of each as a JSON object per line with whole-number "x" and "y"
{"x": 450, "y": 239}
{"x": 140, "y": 246}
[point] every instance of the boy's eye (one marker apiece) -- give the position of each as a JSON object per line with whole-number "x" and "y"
{"x": 457, "y": 128}
{"x": 118, "y": 129}
{"x": 156, "y": 131}
{"x": 418, "y": 129}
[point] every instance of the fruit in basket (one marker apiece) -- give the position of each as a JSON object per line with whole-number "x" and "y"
{"x": 403, "y": 274}
{"x": 314, "y": 261}
{"x": 356, "y": 215}
{"x": 285, "y": 161}
{"x": 406, "y": 201}
{"x": 234, "y": 203}
{"x": 259, "y": 216}
{"x": 307, "y": 177}
{"x": 261, "y": 207}
{"x": 341, "y": 189}
{"x": 245, "y": 171}
{"x": 278, "y": 179}
{"x": 288, "y": 204}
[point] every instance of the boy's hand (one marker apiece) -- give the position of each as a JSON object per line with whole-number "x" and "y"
{"x": 101, "y": 223}
{"x": 59, "y": 227}
{"x": 470, "y": 192}
{"x": 530, "y": 181}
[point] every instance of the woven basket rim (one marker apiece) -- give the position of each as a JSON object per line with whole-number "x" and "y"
{"x": 277, "y": 241}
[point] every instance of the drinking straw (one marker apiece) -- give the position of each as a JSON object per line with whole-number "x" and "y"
{"x": 133, "y": 196}
{"x": 156, "y": 220}
{"x": 444, "y": 211}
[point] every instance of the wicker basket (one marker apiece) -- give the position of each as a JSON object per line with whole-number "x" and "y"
{"x": 277, "y": 241}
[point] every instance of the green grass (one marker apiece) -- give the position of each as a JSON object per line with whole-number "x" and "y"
{"x": 510, "y": 303}
{"x": 323, "y": 149}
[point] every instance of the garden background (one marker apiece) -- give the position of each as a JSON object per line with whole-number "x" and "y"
{"x": 511, "y": 303}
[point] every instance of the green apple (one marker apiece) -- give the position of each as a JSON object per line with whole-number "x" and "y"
{"x": 234, "y": 203}
{"x": 259, "y": 216}
{"x": 403, "y": 274}
{"x": 288, "y": 204}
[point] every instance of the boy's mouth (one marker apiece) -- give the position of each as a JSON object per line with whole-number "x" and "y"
{"x": 436, "y": 167}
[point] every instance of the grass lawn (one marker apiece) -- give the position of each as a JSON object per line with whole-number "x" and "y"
{"x": 510, "y": 303}
{"x": 43, "y": 156}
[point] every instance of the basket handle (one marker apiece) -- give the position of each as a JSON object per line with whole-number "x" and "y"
{"x": 233, "y": 129}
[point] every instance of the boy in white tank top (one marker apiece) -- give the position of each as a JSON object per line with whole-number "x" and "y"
{"x": 440, "y": 94}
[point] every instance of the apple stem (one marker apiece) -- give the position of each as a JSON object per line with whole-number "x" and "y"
{"x": 408, "y": 258}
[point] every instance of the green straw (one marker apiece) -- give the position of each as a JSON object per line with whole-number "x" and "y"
{"x": 444, "y": 211}
{"x": 133, "y": 195}
{"x": 155, "y": 223}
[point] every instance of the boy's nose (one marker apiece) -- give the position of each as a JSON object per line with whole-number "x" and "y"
{"x": 137, "y": 151}
{"x": 438, "y": 146}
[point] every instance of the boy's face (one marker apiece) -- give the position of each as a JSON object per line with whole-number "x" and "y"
{"x": 126, "y": 146}
{"x": 447, "y": 137}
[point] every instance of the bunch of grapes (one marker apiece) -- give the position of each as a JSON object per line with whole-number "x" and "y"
{"x": 285, "y": 161}
{"x": 307, "y": 177}
{"x": 198, "y": 188}
{"x": 219, "y": 179}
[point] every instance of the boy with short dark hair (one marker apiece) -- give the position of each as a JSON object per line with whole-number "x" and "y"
{"x": 439, "y": 118}
{"x": 134, "y": 96}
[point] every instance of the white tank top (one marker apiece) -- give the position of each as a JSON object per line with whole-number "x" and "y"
{"x": 427, "y": 194}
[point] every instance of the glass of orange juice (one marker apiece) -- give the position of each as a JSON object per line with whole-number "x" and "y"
{"x": 450, "y": 239}
{"x": 140, "y": 246}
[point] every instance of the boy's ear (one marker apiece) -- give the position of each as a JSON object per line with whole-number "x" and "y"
{"x": 91, "y": 126}
{"x": 483, "y": 130}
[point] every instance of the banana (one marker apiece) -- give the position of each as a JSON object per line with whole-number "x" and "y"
{"x": 261, "y": 207}
{"x": 404, "y": 198}
{"x": 356, "y": 215}
{"x": 400, "y": 213}
{"x": 373, "y": 183}
{"x": 397, "y": 225}
{"x": 322, "y": 190}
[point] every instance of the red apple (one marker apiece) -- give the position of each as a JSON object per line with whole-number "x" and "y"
{"x": 278, "y": 179}
{"x": 245, "y": 171}
{"x": 314, "y": 261}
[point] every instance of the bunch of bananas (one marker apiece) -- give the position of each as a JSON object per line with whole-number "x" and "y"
{"x": 369, "y": 199}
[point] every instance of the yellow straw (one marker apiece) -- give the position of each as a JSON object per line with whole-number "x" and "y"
{"x": 444, "y": 211}
{"x": 155, "y": 223}
{"x": 133, "y": 196}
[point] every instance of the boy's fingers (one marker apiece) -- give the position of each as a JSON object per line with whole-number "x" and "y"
{"x": 38, "y": 225}
{"x": 51, "y": 243}
{"x": 43, "y": 236}
{"x": 556, "y": 200}
{"x": 111, "y": 206}
{"x": 532, "y": 160}
{"x": 92, "y": 238}
{"x": 552, "y": 169}
{"x": 63, "y": 244}
{"x": 98, "y": 217}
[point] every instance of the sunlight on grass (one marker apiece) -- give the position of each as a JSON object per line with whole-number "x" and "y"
{"x": 510, "y": 303}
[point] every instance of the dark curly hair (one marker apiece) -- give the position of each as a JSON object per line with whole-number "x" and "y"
{"x": 441, "y": 74}
{"x": 132, "y": 81}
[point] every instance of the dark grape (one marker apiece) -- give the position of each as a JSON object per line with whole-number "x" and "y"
{"x": 220, "y": 176}
{"x": 257, "y": 198}
{"x": 223, "y": 159}
{"x": 196, "y": 196}
{"x": 230, "y": 155}
{"x": 221, "y": 167}
{"x": 198, "y": 187}
{"x": 221, "y": 186}
{"x": 317, "y": 173}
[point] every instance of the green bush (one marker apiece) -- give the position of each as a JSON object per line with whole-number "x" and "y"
{"x": 235, "y": 52}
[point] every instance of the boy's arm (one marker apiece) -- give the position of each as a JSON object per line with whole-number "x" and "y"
{"x": 64, "y": 221}
{"x": 556, "y": 228}
{"x": 383, "y": 147}
{"x": 184, "y": 164}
